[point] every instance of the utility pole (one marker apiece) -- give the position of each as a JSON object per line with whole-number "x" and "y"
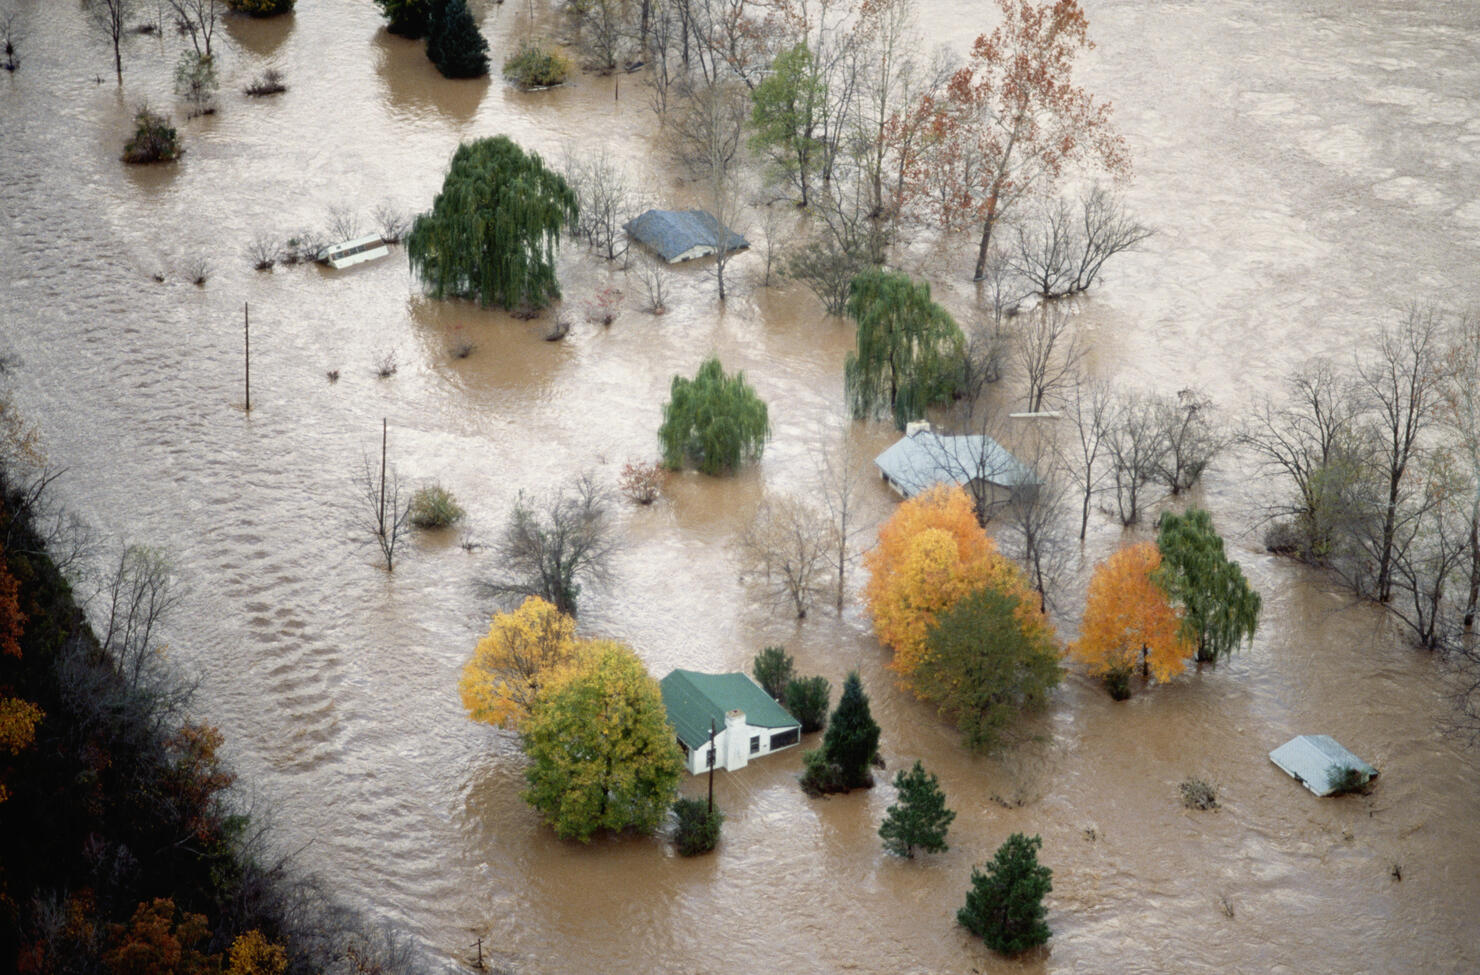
{"x": 247, "y": 356}
{"x": 711, "y": 766}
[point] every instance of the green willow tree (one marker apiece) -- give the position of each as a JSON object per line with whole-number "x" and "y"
{"x": 493, "y": 231}
{"x": 714, "y": 420}
{"x": 785, "y": 116}
{"x": 454, "y": 43}
{"x": 1220, "y": 610}
{"x": 910, "y": 351}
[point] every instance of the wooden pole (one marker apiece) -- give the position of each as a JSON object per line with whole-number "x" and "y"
{"x": 247, "y": 355}
{"x": 711, "y": 767}
{"x": 383, "y": 437}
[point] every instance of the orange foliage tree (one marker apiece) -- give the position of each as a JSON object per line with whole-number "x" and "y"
{"x": 1129, "y": 621}
{"x": 930, "y": 554}
{"x": 18, "y": 717}
{"x": 1009, "y": 122}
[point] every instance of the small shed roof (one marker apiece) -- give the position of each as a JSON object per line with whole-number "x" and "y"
{"x": 925, "y": 458}
{"x": 1309, "y": 759}
{"x": 693, "y": 700}
{"x": 673, "y": 233}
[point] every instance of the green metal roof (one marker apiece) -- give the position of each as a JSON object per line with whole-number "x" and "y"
{"x": 694, "y": 700}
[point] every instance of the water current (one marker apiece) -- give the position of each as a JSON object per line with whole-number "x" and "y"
{"x": 1310, "y": 167}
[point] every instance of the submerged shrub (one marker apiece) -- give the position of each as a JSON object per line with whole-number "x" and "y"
{"x": 434, "y": 507}
{"x": 155, "y": 139}
{"x": 1197, "y": 794}
{"x": 698, "y": 828}
{"x": 533, "y": 66}
{"x": 261, "y": 8}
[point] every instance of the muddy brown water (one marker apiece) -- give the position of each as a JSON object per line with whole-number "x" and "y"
{"x": 1310, "y": 167}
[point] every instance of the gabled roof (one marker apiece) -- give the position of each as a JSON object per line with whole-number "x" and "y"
{"x": 1308, "y": 759}
{"x": 693, "y": 700}
{"x": 925, "y": 458}
{"x": 674, "y": 232}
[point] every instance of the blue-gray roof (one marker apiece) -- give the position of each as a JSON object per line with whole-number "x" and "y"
{"x": 693, "y": 700}
{"x": 1310, "y": 760}
{"x": 674, "y": 232}
{"x": 925, "y": 458}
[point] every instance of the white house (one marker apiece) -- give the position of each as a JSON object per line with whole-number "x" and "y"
{"x": 923, "y": 458}
{"x": 747, "y": 723}
{"x": 683, "y": 235}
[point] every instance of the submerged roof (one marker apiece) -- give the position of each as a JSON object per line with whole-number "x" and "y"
{"x": 693, "y": 700}
{"x": 1309, "y": 760}
{"x": 925, "y": 458}
{"x": 673, "y": 233}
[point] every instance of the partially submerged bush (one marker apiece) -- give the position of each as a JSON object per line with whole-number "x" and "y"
{"x": 261, "y": 8}
{"x": 807, "y": 699}
{"x": 1341, "y": 779}
{"x": 1197, "y": 794}
{"x": 269, "y": 82}
{"x": 434, "y": 507}
{"x": 642, "y": 481}
{"x": 534, "y": 66}
{"x": 155, "y": 139}
{"x": 698, "y": 828}
{"x": 1118, "y": 683}
{"x": 821, "y": 777}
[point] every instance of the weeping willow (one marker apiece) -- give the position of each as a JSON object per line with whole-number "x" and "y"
{"x": 713, "y": 420}
{"x": 493, "y": 231}
{"x": 910, "y": 351}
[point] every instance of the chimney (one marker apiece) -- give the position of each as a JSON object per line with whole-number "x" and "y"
{"x": 737, "y": 742}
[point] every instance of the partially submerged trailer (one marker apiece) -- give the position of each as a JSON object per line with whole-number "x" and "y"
{"x": 1322, "y": 764}
{"x": 352, "y": 252}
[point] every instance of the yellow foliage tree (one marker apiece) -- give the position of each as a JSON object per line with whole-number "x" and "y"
{"x": 253, "y": 954}
{"x": 1129, "y": 620}
{"x": 513, "y": 661}
{"x": 930, "y": 554}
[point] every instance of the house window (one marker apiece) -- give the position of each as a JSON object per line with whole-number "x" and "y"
{"x": 755, "y": 744}
{"x": 783, "y": 738}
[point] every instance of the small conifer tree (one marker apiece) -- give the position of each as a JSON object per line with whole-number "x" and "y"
{"x": 848, "y": 747}
{"x": 1005, "y": 904}
{"x": 920, "y": 818}
{"x": 454, "y": 43}
{"x": 806, "y": 699}
{"x": 772, "y": 668}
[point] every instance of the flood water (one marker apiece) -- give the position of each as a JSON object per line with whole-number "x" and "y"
{"x": 1310, "y": 167}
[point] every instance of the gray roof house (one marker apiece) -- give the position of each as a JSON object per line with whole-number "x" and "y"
{"x": 747, "y": 722}
{"x": 682, "y": 235}
{"x": 923, "y": 458}
{"x": 1318, "y": 761}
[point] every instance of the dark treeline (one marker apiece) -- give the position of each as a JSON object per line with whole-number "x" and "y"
{"x": 124, "y": 847}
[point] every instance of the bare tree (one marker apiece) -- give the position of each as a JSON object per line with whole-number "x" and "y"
{"x": 841, "y": 473}
{"x": 1135, "y": 444}
{"x": 112, "y": 17}
{"x": 1309, "y": 440}
{"x": 1033, "y": 529}
{"x": 787, "y": 546}
{"x": 1089, "y": 407}
{"x": 652, "y": 276}
{"x": 343, "y": 223}
{"x": 10, "y": 39}
{"x": 552, "y": 546}
{"x": 603, "y": 31}
{"x": 392, "y": 222}
{"x": 1062, "y": 250}
{"x": 1402, "y": 386}
{"x": 384, "y": 511}
{"x": 137, "y": 595}
{"x": 198, "y": 19}
{"x": 1430, "y": 551}
{"x": 1460, "y": 412}
{"x": 1192, "y": 436}
{"x": 607, "y": 199}
{"x": 1048, "y": 351}
{"x": 705, "y": 136}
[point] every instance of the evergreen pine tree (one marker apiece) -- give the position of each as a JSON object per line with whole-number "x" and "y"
{"x": 772, "y": 668}
{"x": 852, "y": 738}
{"x": 454, "y": 42}
{"x": 1005, "y": 904}
{"x": 920, "y": 818}
{"x": 407, "y": 18}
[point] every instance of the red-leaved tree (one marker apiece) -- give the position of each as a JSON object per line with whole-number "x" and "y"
{"x": 1009, "y": 123}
